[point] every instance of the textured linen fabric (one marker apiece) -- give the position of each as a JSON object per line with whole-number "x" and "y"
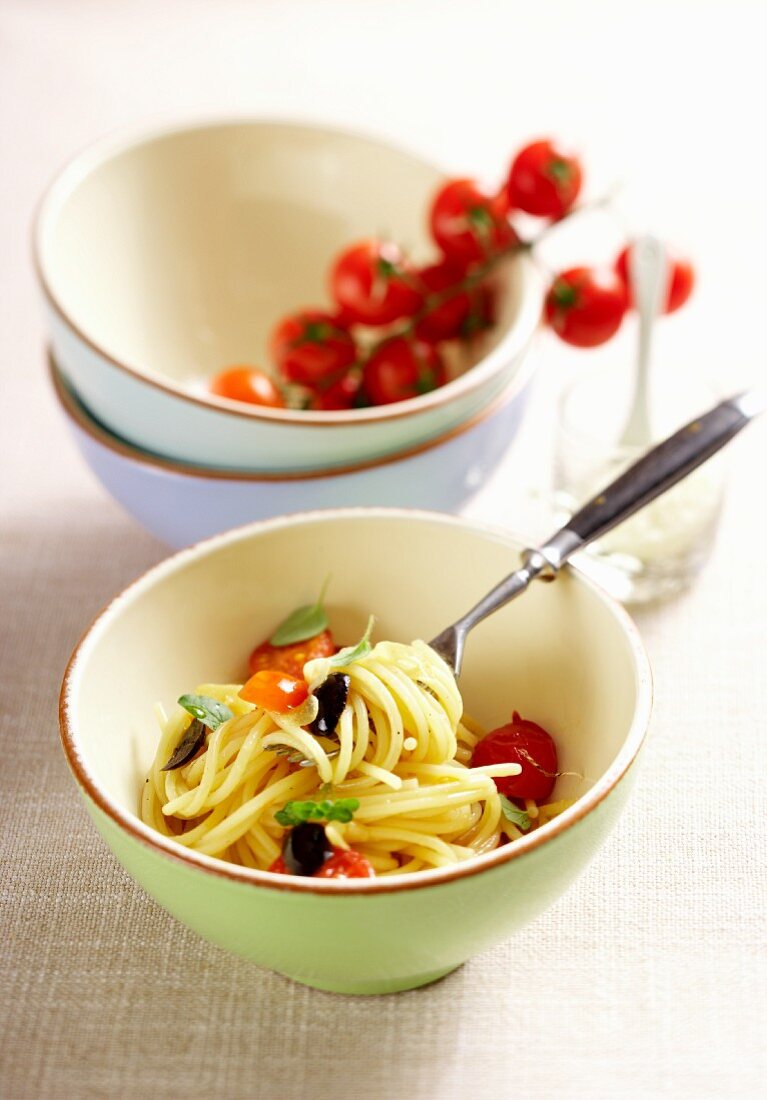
{"x": 648, "y": 978}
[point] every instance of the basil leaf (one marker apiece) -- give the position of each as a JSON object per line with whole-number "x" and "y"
{"x": 191, "y": 742}
{"x": 304, "y": 623}
{"x": 295, "y": 813}
{"x": 347, "y": 656}
{"x": 513, "y": 814}
{"x": 207, "y": 710}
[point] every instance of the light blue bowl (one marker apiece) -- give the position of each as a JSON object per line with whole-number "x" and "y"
{"x": 182, "y": 504}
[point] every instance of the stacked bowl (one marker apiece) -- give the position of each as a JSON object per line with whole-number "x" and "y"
{"x": 167, "y": 257}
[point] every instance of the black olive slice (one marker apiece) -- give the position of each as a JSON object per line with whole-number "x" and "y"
{"x": 189, "y": 745}
{"x": 331, "y": 696}
{"x": 306, "y": 848}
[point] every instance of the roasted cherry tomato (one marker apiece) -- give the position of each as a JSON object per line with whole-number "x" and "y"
{"x": 344, "y": 393}
{"x": 402, "y": 368}
{"x": 445, "y": 320}
{"x": 346, "y": 864}
{"x": 468, "y": 223}
{"x": 374, "y": 284}
{"x": 247, "y": 384}
{"x": 585, "y": 305}
{"x": 524, "y": 743}
{"x": 544, "y": 180}
{"x": 310, "y": 346}
{"x": 271, "y": 689}
{"x": 291, "y": 658}
{"x": 680, "y": 284}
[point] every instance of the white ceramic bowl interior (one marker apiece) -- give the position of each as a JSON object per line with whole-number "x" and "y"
{"x": 181, "y": 504}
{"x": 167, "y": 257}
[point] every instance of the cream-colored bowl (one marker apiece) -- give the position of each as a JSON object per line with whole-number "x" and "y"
{"x": 165, "y": 258}
{"x": 564, "y": 654}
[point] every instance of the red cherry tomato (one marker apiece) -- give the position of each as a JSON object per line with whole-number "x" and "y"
{"x": 374, "y": 284}
{"x": 341, "y": 394}
{"x": 444, "y": 321}
{"x": 585, "y": 305}
{"x": 544, "y": 179}
{"x": 402, "y": 368}
{"x": 291, "y": 658}
{"x": 680, "y": 284}
{"x": 345, "y": 864}
{"x": 468, "y": 223}
{"x": 247, "y": 384}
{"x": 278, "y": 867}
{"x": 309, "y": 346}
{"x": 524, "y": 743}
{"x": 271, "y": 689}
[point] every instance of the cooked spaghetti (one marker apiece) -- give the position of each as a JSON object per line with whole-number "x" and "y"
{"x": 400, "y": 753}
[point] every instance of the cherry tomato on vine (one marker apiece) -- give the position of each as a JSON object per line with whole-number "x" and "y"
{"x": 373, "y": 283}
{"x": 680, "y": 283}
{"x": 271, "y": 689}
{"x": 524, "y": 743}
{"x": 469, "y": 223}
{"x": 585, "y": 305}
{"x": 345, "y": 864}
{"x": 249, "y": 385}
{"x": 544, "y": 180}
{"x": 291, "y": 658}
{"x": 444, "y": 321}
{"x": 343, "y": 393}
{"x": 310, "y": 345}
{"x": 401, "y": 368}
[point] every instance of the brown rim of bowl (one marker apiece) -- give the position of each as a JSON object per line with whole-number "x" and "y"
{"x": 83, "y": 419}
{"x": 131, "y": 824}
{"x": 516, "y": 337}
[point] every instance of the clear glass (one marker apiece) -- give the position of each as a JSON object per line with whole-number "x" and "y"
{"x": 661, "y": 549}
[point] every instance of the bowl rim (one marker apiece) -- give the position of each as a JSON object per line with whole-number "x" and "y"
{"x": 83, "y": 163}
{"x": 82, "y": 418}
{"x": 136, "y": 829}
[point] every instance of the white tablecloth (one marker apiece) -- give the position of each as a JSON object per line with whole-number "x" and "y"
{"x": 648, "y": 979}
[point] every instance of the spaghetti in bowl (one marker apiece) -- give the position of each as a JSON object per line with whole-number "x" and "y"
{"x": 565, "y": 654}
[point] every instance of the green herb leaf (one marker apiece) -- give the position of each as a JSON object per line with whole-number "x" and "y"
{"x": 513, "y": 814}
{"x": 350, "y": 654}
{"x": 305, "y": 622}
{"x": 207, "y": 710}
{"x": 294, "y": 813}
{"x": 192, "y": 740}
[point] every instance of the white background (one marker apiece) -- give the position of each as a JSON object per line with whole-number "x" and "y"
{"x": 648, "y": 978}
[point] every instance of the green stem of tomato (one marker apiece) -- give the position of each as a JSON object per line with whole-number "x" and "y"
{"x": 476, "y": 277}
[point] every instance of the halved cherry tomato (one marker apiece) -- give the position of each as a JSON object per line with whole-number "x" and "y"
{"x": 278, "y": 867}
{"x": 469, "y": 223}
{"x": 544, "y": 179}
{"x": 310, "y": 346}
{"x": 249, "y": 385}
{"x": 402, "y": 368}
{"x": 373, "y": 283}
{"x": 524, "y": 743}
{"x": 271, "y": 689}
{"x": 585, "y": 305}
{"x": 346, "y": 864}
{"x": 680, "y": 284}
{"x": 291, "y": 658}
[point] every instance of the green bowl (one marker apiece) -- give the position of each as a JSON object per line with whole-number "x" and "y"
{"x": 565, "y": 655}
